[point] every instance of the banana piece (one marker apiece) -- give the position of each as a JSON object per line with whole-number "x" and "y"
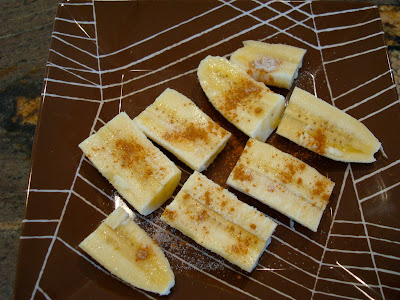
{"x": 126, "y": 250}
{"x": 283, "y": 182}
{"x": 177, "y": 124}
{"x": 216, "y": 219}
{"x": 246, "y": 103}
{"x": 320, "y": 127}
{"x": 137, "y": 169}
{"x": 273, "y": 64}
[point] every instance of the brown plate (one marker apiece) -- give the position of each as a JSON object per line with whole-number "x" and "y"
{"x": 111, "y": 56}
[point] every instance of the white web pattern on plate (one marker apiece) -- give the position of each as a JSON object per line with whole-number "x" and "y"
{"x": 79, "y": 74}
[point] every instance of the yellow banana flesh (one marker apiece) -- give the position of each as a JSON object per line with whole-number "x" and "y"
{"x": 283, "y": 182}
{"x": 274, "y": 64}
{"x": 137, "y": 169}
{"x": 214, "y": 218}
{"x": 322, "y": 128}
{"x": 249, "y": 105}
{"x": 177, "y": 124}
{"x": 127, "y": 252}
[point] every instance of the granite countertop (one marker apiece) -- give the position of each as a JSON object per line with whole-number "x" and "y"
{"x": 25, "y": 37}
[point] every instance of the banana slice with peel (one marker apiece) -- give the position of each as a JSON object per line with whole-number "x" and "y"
{"x": 320, "y": 127}
{"x": 216, "y": 219}
{"x": 177, "y": 124}
{"x": 274, "y": 64}
{"x": 283, "y": 182}
{"x": 138, "y": 170}
{"x": 126, "y": 250}
{"x": 249, "y": 105}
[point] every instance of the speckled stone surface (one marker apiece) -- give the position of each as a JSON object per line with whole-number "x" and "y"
{"x": 390, "y": 16}
{"x": 26, "y": 28}
{"x": 24, "y": 38}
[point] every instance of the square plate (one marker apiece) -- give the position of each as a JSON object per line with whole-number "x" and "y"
{"x": 111, "y": 56}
